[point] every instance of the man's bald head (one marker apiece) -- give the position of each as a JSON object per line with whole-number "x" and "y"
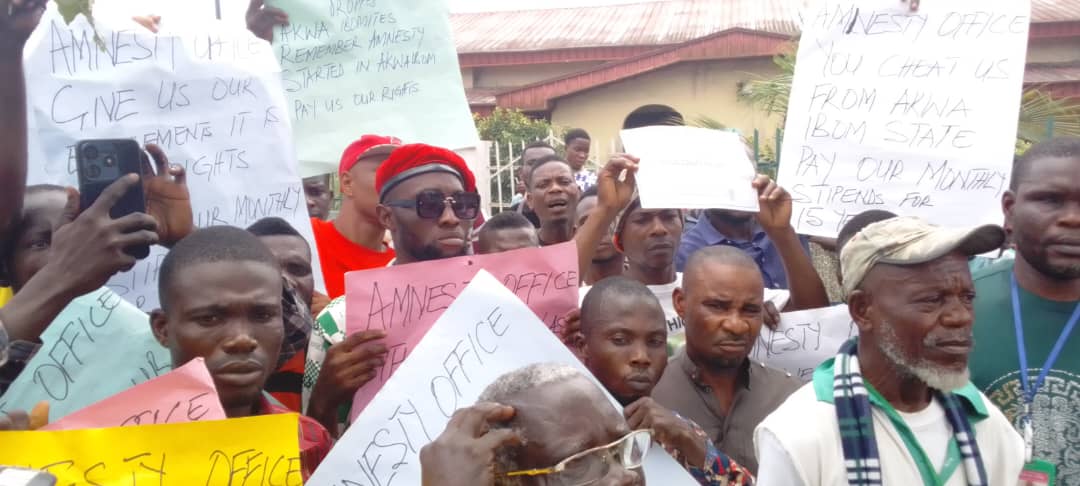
{"x": 559, "y": 412}
{"x": 720, "y": 254}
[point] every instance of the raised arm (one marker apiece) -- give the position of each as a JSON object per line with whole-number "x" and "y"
{"x": 17, "y": 19}
{"x": 612, "y": 196}
{"x": 807, "y": 290}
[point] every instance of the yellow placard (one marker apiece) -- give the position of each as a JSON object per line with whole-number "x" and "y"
{"x": 262, "y": 450}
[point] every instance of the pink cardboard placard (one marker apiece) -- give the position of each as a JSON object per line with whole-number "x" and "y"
{"x": 186, "y": 394}
{"x": 406, "y": 300}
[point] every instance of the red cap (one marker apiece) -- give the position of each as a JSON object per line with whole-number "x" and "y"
{"x": 411, "y": 160}
{"x": 367, "y": 146}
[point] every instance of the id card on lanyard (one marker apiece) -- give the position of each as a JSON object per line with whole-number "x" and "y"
{"x": 1036, "y": 472}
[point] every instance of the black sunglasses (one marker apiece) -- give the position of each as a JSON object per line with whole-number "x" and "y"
{"x": 432, "y": 204}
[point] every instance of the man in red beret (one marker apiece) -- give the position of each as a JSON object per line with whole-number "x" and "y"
{"x": 427, "y": 199}
{"x": 428, "y": 202}
{"x": 354, "y": 240}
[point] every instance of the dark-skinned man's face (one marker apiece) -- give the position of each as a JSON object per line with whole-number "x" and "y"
{"x": 553, "y": 194}
{"x": 29, "y": 251}
{"x": 627, "y": 349}
{"x": 230, "y": 314}
{"x": 920, "y": 317}
{"x": 1043, "y": 216}
{"x": 317, "y": 193}
{"x": 426, "y": 239}
{"x": 650, "y": 237}
{"x": 722, "y": 305}
{"x": 577, "y": 153}
{"x": 294, "y": 257}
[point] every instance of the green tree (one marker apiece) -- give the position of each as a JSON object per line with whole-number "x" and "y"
{"x": 511, "y": 126}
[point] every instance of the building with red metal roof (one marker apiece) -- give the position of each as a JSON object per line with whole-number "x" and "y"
{"x": 594, "y": 66}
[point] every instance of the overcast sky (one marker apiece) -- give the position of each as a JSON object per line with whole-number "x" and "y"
{"x": 234, "y": 9}
{"x": 491, "y": 5}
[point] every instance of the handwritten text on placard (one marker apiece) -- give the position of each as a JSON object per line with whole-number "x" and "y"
{"x": 261, "y": 450}
{"x": 186, "y": 394}
{"x": 212, "y": 99}
{"x": 406, "y": 300}
{"x": 484, "y": 334}
{"x": 804, "y": 339}
{"x": 911, "y": 112}
{"x": 370, "y": 66}
{"x": 98, "y": 346}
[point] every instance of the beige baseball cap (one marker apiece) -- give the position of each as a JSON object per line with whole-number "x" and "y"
{"x": 910, "y": 241}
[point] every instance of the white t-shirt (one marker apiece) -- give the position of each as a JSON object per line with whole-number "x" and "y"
{"x": 930, "y": 426}
{"x": 799, "y": 445}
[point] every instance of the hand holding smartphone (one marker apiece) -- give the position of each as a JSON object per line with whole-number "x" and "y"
{"x": 102, "y": 162}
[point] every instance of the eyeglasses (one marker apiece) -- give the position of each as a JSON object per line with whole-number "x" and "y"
{"x": 589, "y": 467}
{"x": 432, "y": 204}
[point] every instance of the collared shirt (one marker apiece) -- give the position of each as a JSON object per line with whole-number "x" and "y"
{"x": 762, "y": 390}
{"x": 585, "y": 179}
{"x": 315, "y": 441}
{"x": 760, "y": 248}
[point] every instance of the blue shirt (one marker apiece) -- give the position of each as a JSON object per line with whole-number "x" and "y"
{"x": 760, "y": 248}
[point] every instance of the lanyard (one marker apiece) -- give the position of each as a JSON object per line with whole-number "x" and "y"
{"x": 1030, "y": 389}
{"x": 922, "y": 461}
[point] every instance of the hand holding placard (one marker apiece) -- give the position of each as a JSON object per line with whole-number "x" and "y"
{"x": 484, "y": 333}
{"x": 464, "y": 453}
{"x": 406, "y": 300}
{"x": 349, "y": 365}
{"x": 692, "y": 168}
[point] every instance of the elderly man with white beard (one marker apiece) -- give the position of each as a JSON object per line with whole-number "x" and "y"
{"x": 895, "y": 406}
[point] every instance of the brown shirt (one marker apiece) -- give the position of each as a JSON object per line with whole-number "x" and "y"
{"x": 762, "y": 390}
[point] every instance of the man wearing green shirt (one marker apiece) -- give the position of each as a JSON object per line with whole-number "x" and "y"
{"x": 1026, "y": 310}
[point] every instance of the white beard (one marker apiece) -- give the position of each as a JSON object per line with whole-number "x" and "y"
{"x": 927, "y": 372}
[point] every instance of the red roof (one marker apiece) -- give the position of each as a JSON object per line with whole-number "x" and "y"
{"x": 1061, "y": 80}
{"x": 637, "y": 24}
{"x": 733, "y": 43}
{"x": 1054, "y": 10}
{"x": 651, "y": 24}
{"x": 643, "y": 37}
{"x": 1052, "y": 73}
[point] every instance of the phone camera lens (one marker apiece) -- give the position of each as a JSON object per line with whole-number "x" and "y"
{"x": 110, "y": 161}
{"x": 90, "y": 152}
{"x": 95, "y": 172}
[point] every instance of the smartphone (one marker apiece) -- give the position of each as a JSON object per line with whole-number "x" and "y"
{"x": 15, "y": 476}
{"x": 102, "y": 162}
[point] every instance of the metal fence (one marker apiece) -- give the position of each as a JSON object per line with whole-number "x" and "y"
{"x": 506, "y": 162}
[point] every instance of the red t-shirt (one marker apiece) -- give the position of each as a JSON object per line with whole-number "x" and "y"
{"x": 338, "y": 255}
